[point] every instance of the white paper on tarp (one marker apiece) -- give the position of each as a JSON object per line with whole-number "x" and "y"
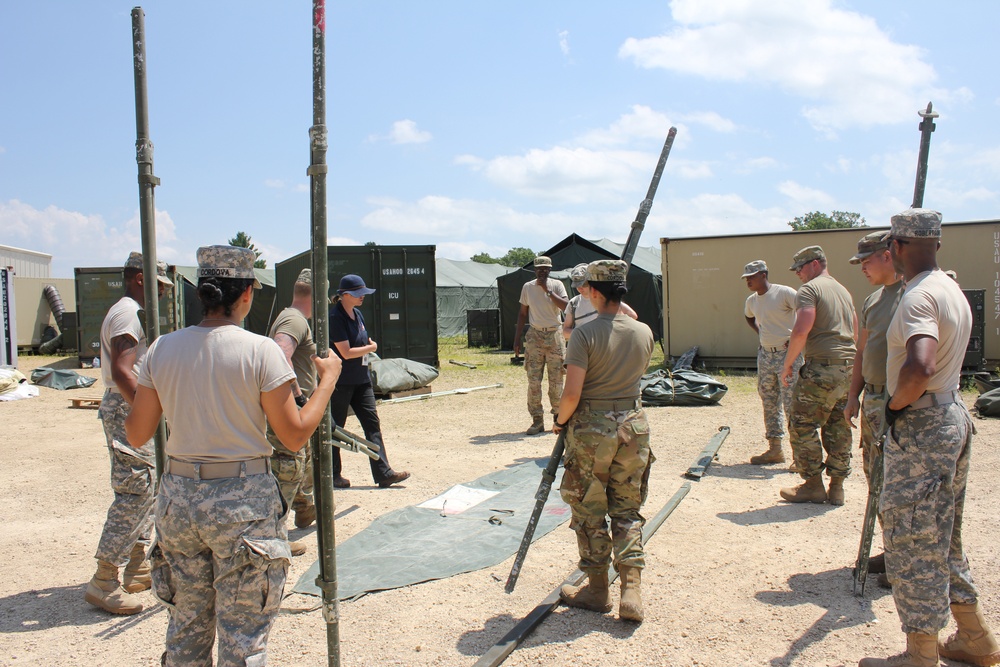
{"x": 457, "y": 499}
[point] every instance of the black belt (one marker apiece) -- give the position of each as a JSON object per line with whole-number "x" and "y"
{"x": 874, "y": 388}
{"x": 774, "y": 349}
{"x": 620, "y": 405}
{"x": 220, "y": 470}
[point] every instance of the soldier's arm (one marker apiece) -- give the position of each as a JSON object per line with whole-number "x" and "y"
{"x": 629, "y": 310}
{"x": 916, "y": 371}
{"x": 568, "y": 324}
{"x": 142, "y": 420}
{"x": 288, "y": 346}
{"x": 124, "y": 354}
{"x": 752, "y": 321}
{"x": 571, "y": 394}
{"x": 522, "y": 316}
{"x": 853, "y": 407}
{"x": 805, "y": 318}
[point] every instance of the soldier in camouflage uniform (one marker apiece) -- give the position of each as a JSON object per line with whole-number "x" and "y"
{"x": 770, "y": 312}
{"x": 293, "y": 470}
{"x": 869, "y": 364}
{"x": 926, "y": 458}
{"x": 129, "y": 525}
{"x": 542, "y": 302}
{"x": 607, "y": 444}
{"x": 221, "y": 556}
{"x": 824, "y": 330}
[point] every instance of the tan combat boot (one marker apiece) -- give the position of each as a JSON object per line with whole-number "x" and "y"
{"x": 304, "y": 516}
{"x": 105, "y": 592}
{"x": 630, "y": 607}
{"x": 594, "y": 596}
{"x": 774, "y": 453}
{"x": 136, "y": 577}
{"x": 972, "y": 642}
{"x": 297, "y": 548}
{"x": 836, "y": 492}
{"x": 537, "y": 426}
{"x": 921, "y": 651}
{"x": 810, "y": 491}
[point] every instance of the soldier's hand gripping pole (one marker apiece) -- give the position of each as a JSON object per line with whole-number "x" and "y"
{"x": 354, "y": 443}
{"x": 542, "y": 495}
{"x": 871, "y": 514}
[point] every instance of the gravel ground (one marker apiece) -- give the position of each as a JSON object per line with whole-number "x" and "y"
{"x": 734, "y": 576}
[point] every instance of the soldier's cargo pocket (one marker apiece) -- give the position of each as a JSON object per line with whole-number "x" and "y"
{"x": 264, "y": 568}
{"x": 163, "y": 584}
{"x": 910, "y": 513}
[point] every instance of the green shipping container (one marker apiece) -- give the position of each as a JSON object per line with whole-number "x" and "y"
{"x": 97, "y": 289}
{"x": 402, "y": 313}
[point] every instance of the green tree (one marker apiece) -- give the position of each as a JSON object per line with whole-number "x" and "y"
{"x": 371, "y": 244}
{"x": 484, "y": 258}
{"x": 518, "y": 257}
{"x": 243, "y": 240}
{"x": 835, "y": 220}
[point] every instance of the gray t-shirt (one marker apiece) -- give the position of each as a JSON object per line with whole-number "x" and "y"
{"x": 122, "y": 320}
{"x": 932, "y": 304}
{"x": 209, "y": 382}
{"x": 832, "y": 335}
{"x": 615, "y": 352}
{"x": 875, "y": 315}
{"x": 774, "y": 311}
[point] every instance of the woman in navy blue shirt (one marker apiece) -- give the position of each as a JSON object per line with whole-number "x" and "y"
{"x": 350, "y": 340}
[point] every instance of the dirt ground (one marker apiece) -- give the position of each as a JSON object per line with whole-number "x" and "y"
{"x": 734, "y": 577}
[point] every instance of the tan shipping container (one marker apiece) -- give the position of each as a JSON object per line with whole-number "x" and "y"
{"x": 703, "y": 294}
{"x": 33, "y": 311}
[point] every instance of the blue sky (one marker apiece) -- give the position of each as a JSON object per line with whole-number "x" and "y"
{"x": 481, "y": 126}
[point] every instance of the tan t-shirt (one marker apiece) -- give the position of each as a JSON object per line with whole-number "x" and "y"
{"x": 615, "y": 352}
{"x": 774, "y": 311}
{"x": 209, "y": 382}
{"x": 294, "y": 324}
{"x": 932, "y": 304}
{"x": 122, "y": 320}
{"x": 542, "y": 312}
{"x": 875, "y": 315}
{"x": 832, "y": 335}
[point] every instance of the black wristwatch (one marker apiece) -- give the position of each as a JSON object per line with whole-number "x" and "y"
{"x": 892, "y": 415}
{"x": 301, "y": 400}
{"x": 560, "y": 426}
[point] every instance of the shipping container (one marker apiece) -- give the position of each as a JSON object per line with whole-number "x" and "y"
{"x": 703, "y": 293}
{"x": 25, "y": 263}
{"x": 97, "y": 289}
{"x": 401, "y": 315}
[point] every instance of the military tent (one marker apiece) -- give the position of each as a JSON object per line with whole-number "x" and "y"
{"x": 645, "y": 281}
{"x": 463, "y": 286}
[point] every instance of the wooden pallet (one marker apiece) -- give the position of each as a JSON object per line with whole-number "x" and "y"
{"x": 92, "y": 402}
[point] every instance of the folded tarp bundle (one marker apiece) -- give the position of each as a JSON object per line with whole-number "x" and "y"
{"x": 680, "y": 387}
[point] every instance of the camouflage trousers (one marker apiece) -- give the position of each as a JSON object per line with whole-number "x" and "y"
{"x": 219, "y": 565}
{"x": 818, "y": 404}
{"x": 872, "y": 413}
{"x": 607, "y": 464}
{"x": 544, "y": 350}
{"x": 774, "y": 395}
{"x": 130, "y": 519}
{"x": 294, "y": 472}
{"x": 926, "y": 468}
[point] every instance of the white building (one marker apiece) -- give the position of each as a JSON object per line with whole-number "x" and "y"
{"x": 25, "y": 263}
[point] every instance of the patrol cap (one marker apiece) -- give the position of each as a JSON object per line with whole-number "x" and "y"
{"x": 871, "y": 244}
{"x": 226, "y": 261}
{"x": 578, "y": 275}
{"x": 916, "y": 223}
{"x": 806, "y": 255}
{"x": 607, "y": 271}
{"x": 134, "y": 261}
{"x": 542, "y": 260}
{"x": 354, "y": 285}
{"x": 305, "y": 277}
{"x": 754, "y": 267}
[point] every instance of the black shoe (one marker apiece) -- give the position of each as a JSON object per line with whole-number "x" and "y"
{"x": 341, "y": 482}
{"x": 394, "y": 478}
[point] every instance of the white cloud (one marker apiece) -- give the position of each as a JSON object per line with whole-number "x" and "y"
{"x": 848, "y": 70}
{"x": 564, "y": 42}
{"x": 76, "y": 239}
{"x": 710, "y": 214}
{"x": 275, "y": 183}
{"x": 805, "y": 197}
{"x": 640, "y": 124}
{"x": 754, "y": 164}
{"x": 709, "y": 119}
{"x": 406, "y": 132}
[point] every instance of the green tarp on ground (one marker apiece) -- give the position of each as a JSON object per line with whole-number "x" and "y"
{"x": 467, "y": 528}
